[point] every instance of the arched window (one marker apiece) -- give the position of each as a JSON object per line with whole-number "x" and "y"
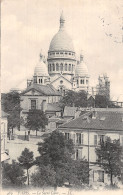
{"x": 82, "y": 81}
{"x": 57, "y": 67}
{"x": 72, "y": 67}
{"x": 69, "y": 67}
{"x": 53, "y": 67}
{"x": 50, "y": 67}
{"x": 65, "y": 67}
{"x": 61, "y": 67}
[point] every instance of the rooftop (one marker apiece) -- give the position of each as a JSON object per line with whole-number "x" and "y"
{"x": 45, "y": 89}
{"x": 101, "y": 121}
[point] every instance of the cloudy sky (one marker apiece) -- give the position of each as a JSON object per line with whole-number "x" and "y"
{"x": 29, "y": 25}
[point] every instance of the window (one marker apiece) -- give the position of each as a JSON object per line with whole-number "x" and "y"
{"x": 82, "y": 81}
{"x": 78, "y": 154}
{"x": 67, "y": 135}
{"x": 33, "y": 104}
{"x": 73, "y": 138}
{"x": 50, "y": 67}
{"x": 86, "y": 81}
{"x": 65, "y": 53}
{"x": 61, "y": 82}
{"x": 57, "y": 67}
{"x": 61, "y": 67}
{"x": 78, "y": 138}
{"x": 72, "y": 67}
{"x": 69, "y": 67}
{"x": 98, "y": 176}
{"x": 53, "y": 67}
{"x": 95, "y": 140}
{"x": 82, "y": 138}
{"x": 41, "y": 81}
{"x": 69, "y": 53}
{"x": 101, "y": 138}
{"x": 57, "y": 52}
{"x": 65, "y": 67}
{"x": 77, "y": 82}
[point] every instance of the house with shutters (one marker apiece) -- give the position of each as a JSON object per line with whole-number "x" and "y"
{"x": 87, "y": 132}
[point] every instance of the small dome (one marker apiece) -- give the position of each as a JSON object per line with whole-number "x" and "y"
{"x": 61, "y": 40}
{"x": 81, "y": 69}
{"x": 41, "y": 69}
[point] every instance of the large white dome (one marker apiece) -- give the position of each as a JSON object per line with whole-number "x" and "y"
{"x": 61, "y": 40}
{"x": 41, "y": 69}
{"x": 81, "y": 69}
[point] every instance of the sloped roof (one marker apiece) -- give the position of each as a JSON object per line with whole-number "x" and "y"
{"x": 45, "y": 89}
{"x": 111, "y": 121}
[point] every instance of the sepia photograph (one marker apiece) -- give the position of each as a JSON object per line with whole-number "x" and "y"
{"x": 61, "y": 97}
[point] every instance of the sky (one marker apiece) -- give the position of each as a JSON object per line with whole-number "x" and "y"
{"x": 28, "y": 26}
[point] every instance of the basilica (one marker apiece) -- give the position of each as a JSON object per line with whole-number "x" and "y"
{"x": 59, "y": 73}
{"x": 62, "y": 70}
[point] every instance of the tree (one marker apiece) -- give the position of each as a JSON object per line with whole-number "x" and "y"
{"x": 26, "y": 161}
{"x": 11, "y": 105}
{"x": 56, "y": 151}
{"x": 36, "y": 119}
{"x": 101, "y": 101}
{"x": 13, "y": 174}
{"x": 73, "y": 98}
{"x": 109, "y": 155}
{"x": 45, "y": 176}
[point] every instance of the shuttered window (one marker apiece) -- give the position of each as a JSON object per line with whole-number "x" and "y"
{"x": 78, "y": 154}
{"x": 95, "y": 140}
{"x": 82, "y": 138}
{"x": 78, "y": 138}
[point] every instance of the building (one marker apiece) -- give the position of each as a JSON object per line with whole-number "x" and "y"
{"x": 103, "y": 87}
{"x": 62, "y": 70}
{"x": 42, "y": 97}
{"x": 87, "y": 132}
{"x": 4, "y": 127}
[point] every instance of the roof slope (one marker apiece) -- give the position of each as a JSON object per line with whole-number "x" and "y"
{"x": 45, "y": 89}
{"x": 103, "y": 120}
